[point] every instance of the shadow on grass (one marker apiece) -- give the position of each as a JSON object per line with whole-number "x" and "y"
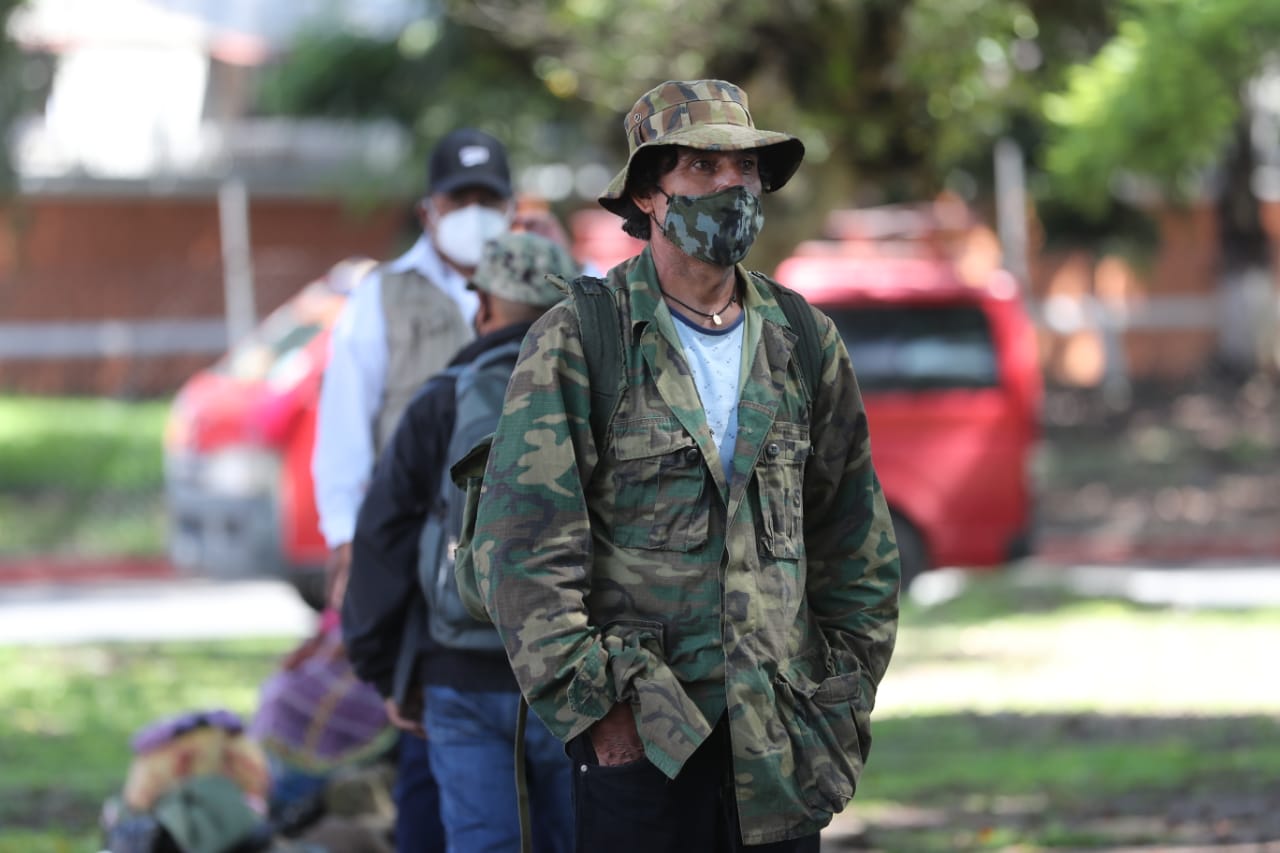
{"x": 961, "y": 781}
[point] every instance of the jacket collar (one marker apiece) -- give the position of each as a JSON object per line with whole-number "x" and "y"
{"x": 640, "y": 278}
{"x": 766, "y": 358}
{"x": 494, "y": 339}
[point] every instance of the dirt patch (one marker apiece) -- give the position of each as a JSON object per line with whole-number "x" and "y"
{"x": 1175, "y": 467}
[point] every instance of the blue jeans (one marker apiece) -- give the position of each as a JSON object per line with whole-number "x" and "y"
{"x": 417, "y": 796}
{"x": 471, "y": 740}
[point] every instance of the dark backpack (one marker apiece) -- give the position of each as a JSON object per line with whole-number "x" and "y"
{"x": 602, "y": 343}
{"x": 479, "y": 388}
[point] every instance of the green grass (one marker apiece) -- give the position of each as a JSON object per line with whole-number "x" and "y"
{"x": 81, "y": 476}
{"x": 1020, "y": 717}
{"x": 71, "y": 712}
{"x": 1013, "y": 717}
{"x": 1077, "y": 756}
{"x": 1045, "y": 781}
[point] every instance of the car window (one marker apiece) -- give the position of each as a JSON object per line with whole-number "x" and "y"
{"x": 897, "y": 348}
{"x": 268, "y": 347}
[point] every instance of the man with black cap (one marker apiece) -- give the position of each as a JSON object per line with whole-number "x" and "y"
{"x": 701, "y": 599}
{"x": 402, "y": 325}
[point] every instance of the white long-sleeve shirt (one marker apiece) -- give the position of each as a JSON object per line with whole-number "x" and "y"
{"x": 353, "y": 385}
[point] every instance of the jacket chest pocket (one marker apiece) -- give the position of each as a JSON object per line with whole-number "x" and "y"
{"x": 780, "y": 476}
{"x": 659, "y": 487}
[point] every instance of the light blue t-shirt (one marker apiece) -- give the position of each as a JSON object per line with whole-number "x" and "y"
{"x": 715, "y": 358}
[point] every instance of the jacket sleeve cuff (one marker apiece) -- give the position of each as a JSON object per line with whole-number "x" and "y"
{"x": 628, "y": 665}
{"x": 590, "y": 692}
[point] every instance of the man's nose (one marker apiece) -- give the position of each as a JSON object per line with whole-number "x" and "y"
{"x": 730, "y": 175}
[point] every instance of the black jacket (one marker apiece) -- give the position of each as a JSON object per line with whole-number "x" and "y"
{"x": 384, "y": 614}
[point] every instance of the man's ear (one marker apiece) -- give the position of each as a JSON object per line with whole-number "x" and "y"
{"x": 484, "y": 312}
{"x": 644, "y": 202}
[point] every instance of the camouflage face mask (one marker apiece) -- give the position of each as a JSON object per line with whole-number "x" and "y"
{"x": 718, "y": 227}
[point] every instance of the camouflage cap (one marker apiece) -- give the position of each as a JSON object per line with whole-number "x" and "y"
{"x": 515, "y": 266}
{"x": 711, "y": 115}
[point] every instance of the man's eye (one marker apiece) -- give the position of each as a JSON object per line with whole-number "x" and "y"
{"x": 749, "y": 165}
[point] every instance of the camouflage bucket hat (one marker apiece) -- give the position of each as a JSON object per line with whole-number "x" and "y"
{"x": 515, "y": 266}
{"x": 711, "y": 115}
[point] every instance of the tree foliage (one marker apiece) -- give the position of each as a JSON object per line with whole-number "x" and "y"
{"x": 437, "y": 76}
{"x": 11, "y": 94}
{"x": 901, "y": 93}
{"x": 1162, "y": 100}
{"x": 898, "y": 92}
{"x": 894, "y": 100}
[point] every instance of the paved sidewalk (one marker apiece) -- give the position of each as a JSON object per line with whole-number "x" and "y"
{"x": 1210, "y": 583}
{"x": 1223, "y": 584}
{"x": 148, "y": 610}
{"x": 1217, "y": 580}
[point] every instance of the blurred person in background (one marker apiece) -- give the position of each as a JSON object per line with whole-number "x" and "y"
{"x": 470, "y": 696}
{"x": 401, "y": 326}
{"x": 701, "y": 603}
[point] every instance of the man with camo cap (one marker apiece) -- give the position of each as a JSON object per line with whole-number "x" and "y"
{"x": 464, "y": 698}
{"x": 703, "y": 604}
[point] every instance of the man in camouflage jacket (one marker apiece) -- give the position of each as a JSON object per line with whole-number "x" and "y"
{"x": 702, "y": 605}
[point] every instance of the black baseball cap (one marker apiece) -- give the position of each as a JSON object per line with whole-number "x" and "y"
{"x": 469, "y": 158}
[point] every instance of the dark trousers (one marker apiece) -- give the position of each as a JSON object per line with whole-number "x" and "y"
{"x": 417, "y": 796}
{"x": 634, "y": 807}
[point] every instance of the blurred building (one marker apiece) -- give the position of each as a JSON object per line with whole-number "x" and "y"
{"x": 1207, "y": 298}
{"x": 116, "y": 276}
{"x": 113, "y": 254}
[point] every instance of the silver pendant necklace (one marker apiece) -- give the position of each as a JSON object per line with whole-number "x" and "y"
{"x": 714, "y": 316}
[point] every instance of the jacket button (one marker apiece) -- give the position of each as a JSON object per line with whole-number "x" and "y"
{"x": 795, "y": 498}
{"x": 691, "y": 456}
{"x": 773, "y": 449}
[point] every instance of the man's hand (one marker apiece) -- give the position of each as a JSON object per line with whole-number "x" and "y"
{"x": 614, "y": 737}
{"x": 406, "y": 719}
{"x": 336, "y": 571}
{"x": 303, "y": 652}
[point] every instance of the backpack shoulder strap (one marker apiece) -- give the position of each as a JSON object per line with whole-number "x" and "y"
{"x": 800, "y": 317}
{"x": 601, "y": 330}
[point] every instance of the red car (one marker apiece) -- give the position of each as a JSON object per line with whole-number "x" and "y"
{"x": 238, "y": 441}
{"x": 951, "y": 380}
{"x": 948, "y": 370}
{"x": 238, "y": 447}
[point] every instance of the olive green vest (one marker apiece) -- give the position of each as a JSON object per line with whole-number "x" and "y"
{"x": 425, "y": 330}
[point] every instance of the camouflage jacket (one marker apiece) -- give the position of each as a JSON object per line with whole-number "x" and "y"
{"x": 635, "y": 573}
